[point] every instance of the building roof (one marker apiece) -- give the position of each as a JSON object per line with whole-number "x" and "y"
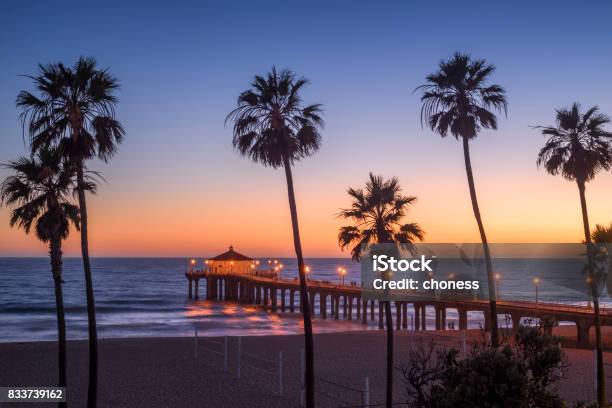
{"x": 231, "y": 255}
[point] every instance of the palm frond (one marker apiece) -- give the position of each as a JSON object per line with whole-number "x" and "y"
{"x": 577, "y": 146}
{"x": 457, "y": 99}
{"x": 270, "y": 122}
{"x": 72, "y": 103}
{"x": 38, "y": 193}
{"x": 376, "y": 211}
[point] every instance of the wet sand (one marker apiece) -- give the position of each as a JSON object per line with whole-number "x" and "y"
{"x": 164, "y": 372}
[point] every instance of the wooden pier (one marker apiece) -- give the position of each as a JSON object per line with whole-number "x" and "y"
{"x": 280, "y": 295}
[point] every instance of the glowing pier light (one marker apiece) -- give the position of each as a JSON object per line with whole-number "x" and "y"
{"x": 342, "y": 272}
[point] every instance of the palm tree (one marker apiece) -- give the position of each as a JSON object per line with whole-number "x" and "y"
{"x": 578, "y": 148}
{"x": 273, "y": 127}
{"x": 75, "y": 108}
{"x": 377, "y": 212}
{"x": 457, "y": 99}
{"x": 38, "y": 193}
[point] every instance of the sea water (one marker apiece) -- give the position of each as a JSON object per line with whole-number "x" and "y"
{"x": 147, "y": 297}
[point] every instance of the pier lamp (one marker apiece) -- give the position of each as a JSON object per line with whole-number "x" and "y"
{"x": 536, "y": 282}
{"x": 306, "y": 271}
{"x": 342, "y": 273}
{"x": 191, "y": 265}
{"x": 231, "y": 267}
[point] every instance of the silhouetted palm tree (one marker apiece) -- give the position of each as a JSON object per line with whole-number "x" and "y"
{"x": 273, "y": 127}
{"x": 577, "y": 148}
{"x": 377, "y": 212}
{"x": 457, "y": 100}
{"x": 75, "y": 108}
{"x": 38, "y": 193}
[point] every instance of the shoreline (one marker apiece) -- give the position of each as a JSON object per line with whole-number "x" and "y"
{"x": 566, "y": 331}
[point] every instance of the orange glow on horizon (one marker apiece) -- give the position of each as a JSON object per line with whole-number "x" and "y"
{"x": 531, "y": 207}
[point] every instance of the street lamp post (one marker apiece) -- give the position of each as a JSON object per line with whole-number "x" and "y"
{"x": 342, "y": 272}
{"x": 497, "y": 283}
{"x": 536, "y": 282}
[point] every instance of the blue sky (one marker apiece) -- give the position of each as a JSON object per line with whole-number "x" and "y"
{"x": 182, "y": 64}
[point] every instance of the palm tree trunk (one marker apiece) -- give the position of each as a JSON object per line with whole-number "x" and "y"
{"x": 601, "y": 379}
{"x": 389, "y": 323}
{"x": 485, "y": 244}
{"x": 92, "y": 390}
{"x": 55, "y": 251}
{"x": 308, "y": 340}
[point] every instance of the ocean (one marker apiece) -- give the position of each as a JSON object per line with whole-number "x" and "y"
{"x": 147, "y": 297}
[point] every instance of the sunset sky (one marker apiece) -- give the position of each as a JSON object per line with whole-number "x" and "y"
{"x": 176, "y": 187}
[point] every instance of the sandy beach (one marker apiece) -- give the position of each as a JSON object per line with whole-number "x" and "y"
{"x": 164, "y": 372}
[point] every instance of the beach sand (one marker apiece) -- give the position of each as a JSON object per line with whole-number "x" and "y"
{"x": 164, "y": 372}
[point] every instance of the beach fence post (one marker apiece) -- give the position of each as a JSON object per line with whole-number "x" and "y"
{"x": 463, "y": 343}
{"x": 225, "y": 365}
{"x": 195, "y": 342}
{"x": 238, "y": 356}
{"x": 366, "y": 392}
{"x": 280, "y": 373}
{"x": 302, "y": 375}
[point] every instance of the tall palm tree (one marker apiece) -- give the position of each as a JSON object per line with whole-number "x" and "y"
{"x": 458, "y": 99}
{"x": 578, "y": 147}
{"x": 273, "y": 127}
{"x": 39, "y": 194}
{"x": 75, "y": 108}
{"x": 377, "y": 212}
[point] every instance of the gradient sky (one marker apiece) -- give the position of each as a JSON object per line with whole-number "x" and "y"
{"x": 176, "y": 187}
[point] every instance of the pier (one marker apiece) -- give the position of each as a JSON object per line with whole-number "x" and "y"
{"x": 345, "y": 302}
